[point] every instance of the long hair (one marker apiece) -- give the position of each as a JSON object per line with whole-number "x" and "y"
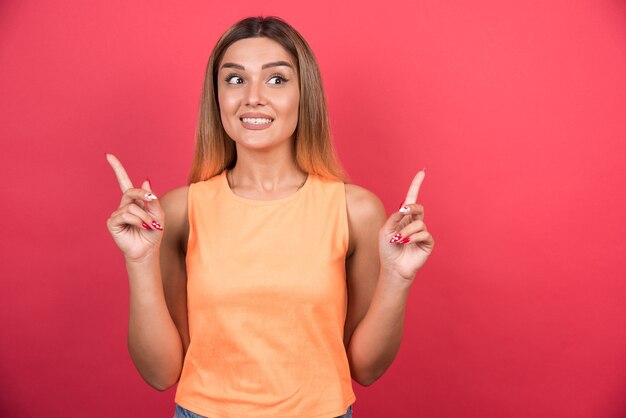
{"x": 215, "y": 151}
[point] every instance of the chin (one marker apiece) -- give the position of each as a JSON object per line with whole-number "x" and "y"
{"x": 256, "y": 144}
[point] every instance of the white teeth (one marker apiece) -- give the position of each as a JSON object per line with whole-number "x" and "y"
{"x": 256, "y": 121}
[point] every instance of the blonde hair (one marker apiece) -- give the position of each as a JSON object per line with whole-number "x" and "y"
{"x": 315, "y": 154}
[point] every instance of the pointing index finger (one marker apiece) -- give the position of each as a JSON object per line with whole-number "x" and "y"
{"x": 120, "y": 173}
{"x": 411, "y": 196}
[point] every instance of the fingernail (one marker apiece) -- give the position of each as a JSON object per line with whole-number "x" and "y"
{"x": 404, "y": 241}
{"x": 149, "y": 183}
{"x": 424, "y": 169}
{"x": 145, "y": 225}
{"x": 395, "y": 238}
{"x": 405, "y": 209}
{"x": 105, "y": 154}
{"x": 156, "y": 225}
{"x": 150, "y": 196}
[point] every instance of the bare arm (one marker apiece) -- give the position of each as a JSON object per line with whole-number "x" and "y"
{"x": 157, "y": 336}
{"x": 383, "y": 260}
{"x": 157, "y": 329}
{"x": 375, "y": 318}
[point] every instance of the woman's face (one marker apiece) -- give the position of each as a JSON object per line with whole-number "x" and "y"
{"x": 258, "y": 93}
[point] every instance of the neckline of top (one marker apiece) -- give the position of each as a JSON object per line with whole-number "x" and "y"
{"x": 233, "y": 195}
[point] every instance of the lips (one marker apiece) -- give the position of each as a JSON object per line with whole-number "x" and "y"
{"x": 255, "y": 121}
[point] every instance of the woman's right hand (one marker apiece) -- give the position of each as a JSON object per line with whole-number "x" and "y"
{"x": 137, "y": 224}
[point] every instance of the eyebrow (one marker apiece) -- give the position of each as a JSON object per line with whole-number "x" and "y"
{"x": 268, "y": 65}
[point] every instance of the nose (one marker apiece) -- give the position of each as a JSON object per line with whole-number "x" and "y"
{"x": 254, "y": 93}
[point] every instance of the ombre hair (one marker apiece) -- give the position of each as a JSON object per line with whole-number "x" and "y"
{"x": 314, "y": 152}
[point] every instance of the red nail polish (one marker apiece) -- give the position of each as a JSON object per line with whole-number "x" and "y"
{"x": 149, "y": 183}
{"x": 156, "y": 225}
{"x": 395, "y": 238}
{"x": 406, "y": 240}
{"x": 145, "y": 225}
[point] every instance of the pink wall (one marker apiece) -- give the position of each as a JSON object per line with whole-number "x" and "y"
{"x": 517, "y": 109}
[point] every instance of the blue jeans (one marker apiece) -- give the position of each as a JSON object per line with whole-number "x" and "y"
{"x": 185, "y": 413}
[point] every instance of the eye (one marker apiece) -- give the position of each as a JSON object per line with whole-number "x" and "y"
{"x": 234, "y": 79}
{"x": 277, "y": 79}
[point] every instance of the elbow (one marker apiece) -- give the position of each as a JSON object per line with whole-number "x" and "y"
{"x": 365, "y": 380}
{"x": 366, "y": 369}
{"x": 161, "y": 384}
{"x": 160, "y": 380}
{"x": 365, "y": 373}
{"x": 158, "y": 375}
{"x": 163, "y": 388}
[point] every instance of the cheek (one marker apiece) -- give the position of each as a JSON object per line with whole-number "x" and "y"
{"x": 289, "y": 104}
{"x": 228, "y": 105}
{"x": 227, "y": 101}
{"x": 225, "y": 109}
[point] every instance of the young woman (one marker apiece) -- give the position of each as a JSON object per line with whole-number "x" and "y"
{"x": 268, "y": 283}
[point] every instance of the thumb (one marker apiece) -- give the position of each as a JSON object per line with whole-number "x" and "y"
{"x": 391, "y": 226}
{"x": 146, "y": 185}
{"x": 151, "y": 206}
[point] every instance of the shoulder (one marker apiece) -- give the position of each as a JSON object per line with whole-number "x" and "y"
{"x": 174, "y": 204}
{"x": 362, "y": 204}
{"x": 366, "y": 214}
{"x": 175, "y": 201}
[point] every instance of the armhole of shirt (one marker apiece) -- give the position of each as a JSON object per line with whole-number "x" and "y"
{"x": 191, "y": 237}
{"x": 344, "y": 220}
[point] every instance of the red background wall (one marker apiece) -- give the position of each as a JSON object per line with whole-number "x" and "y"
{"x": 517, "y": 109}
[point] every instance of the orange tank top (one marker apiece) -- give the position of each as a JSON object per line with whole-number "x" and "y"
{"x": 266, "y": 300}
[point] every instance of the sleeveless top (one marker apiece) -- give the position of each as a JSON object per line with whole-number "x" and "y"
{"x": 266, "y": 301}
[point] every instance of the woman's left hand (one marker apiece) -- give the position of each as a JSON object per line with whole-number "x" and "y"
{"x": 404, "y": 243}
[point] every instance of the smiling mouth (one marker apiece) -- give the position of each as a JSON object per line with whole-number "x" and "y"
{"x": 257, "y": 121}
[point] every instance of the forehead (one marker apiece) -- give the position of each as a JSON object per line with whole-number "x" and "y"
{"x": 254, "y": 52}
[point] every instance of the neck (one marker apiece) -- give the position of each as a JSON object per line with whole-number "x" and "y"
{"x": 266, "y": 174}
